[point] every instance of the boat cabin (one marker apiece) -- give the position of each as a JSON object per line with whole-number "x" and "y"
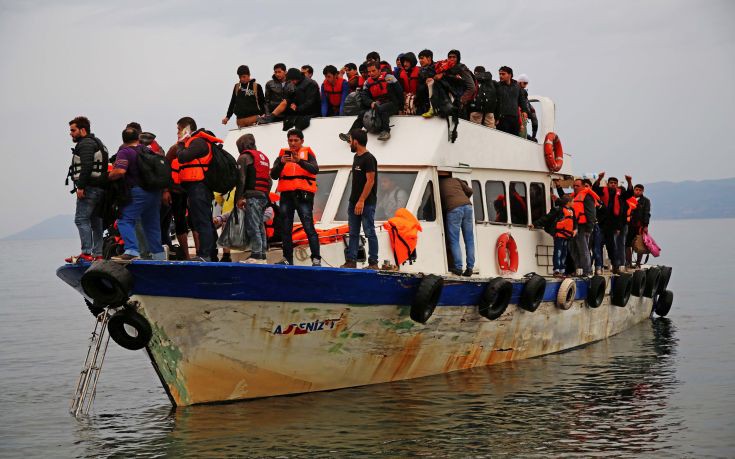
{"x": 508, "y": 174}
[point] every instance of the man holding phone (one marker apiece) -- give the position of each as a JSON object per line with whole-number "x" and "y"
{"x": 296, "y": 169}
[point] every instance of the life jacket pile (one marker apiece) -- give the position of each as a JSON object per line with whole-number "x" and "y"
{"x": 403, "y": 230}
{"x": 409, "y": 81}
{"x": 262, "y": 166}
{"x": 194, "y": 170}
{"x": 294, "y": 177}
{"x": 565, "y": 225}
{"x": 326, "y": 236}
{"x": 578, "y": 204}
{"x": 334, "y": 93}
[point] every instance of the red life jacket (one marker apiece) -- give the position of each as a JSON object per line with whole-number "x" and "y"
{"x": 632, "y": 204}
{"x": 175, "y": 168}
{"x": 262, "y": 166}
{"x": 334, "y": 93}
{"x": 443, "y": 65}
{"x": 378, "y": 88}
{"x": 606, "y": 200}
{"x": 409, "y": 81}
{"x": 565, "y": 225}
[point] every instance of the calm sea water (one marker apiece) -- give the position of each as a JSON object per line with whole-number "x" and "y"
{"x": 663, "y": 388}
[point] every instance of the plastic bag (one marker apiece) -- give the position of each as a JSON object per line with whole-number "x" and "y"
{"x": 233, "y": 234}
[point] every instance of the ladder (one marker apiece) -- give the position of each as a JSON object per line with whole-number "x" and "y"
{"x": 90, "y": 374}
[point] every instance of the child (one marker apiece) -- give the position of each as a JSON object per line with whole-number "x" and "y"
{"x": 561, "y": 223}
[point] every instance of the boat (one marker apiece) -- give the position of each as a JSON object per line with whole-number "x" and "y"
{"x": 221, "y": 332}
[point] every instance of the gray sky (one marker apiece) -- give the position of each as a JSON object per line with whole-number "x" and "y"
{"x": 644, "y": 87}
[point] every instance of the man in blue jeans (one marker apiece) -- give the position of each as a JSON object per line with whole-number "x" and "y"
{"x": 455, "y": 198}
{"x": 363, "y": 198}
{"x": 144, "y": 205}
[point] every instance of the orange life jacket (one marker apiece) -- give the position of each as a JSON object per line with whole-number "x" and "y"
{"x": 326, "y": 236}
{"x": 294, "y": 177}
{"x": 334, "y": 93}
{"x": 606, "y": 199}
{"x": 403, "y": 230}
{"x": 565, "y": 226}
{"x": 193, "y": 171}
{"x": 378, "y": 88}
{"x": 578, "y": 204}
{"x": 632, "y": 204}
{"x": 409, "y": 81}
{"x": 175, "y": 168}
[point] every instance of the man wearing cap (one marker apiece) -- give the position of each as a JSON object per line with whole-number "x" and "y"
{"x": 523, "y": 83}
{"x": 511, "y": 100}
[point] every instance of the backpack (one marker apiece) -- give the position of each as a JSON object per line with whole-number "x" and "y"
{"x": 222, "y": 175}
{"x": 486, "y": 99}
{"x": 352, "y": 104}
{"x": 155, "y": 172}
{"x": 372, "y": 121}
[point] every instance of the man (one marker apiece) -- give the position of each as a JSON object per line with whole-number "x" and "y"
{"x": 613, "y": 218}
{"x": 296, "y": 169}
{"x": 460, "y": 79}
{"x": 408, "y": 76}
{"x": 384, "y": 95}
{"x": 353, "y": 77}
{"x": 251, "y": 194}
{"x": 277, "y": 89}
{"x": 482, "y": 108}
{"x": 194, "y": 155}
{"x": 301, "y": 104}
{"x": 455, "y": 198}
{"x": 639, "y": 214}
{"x": 392, "y": 198}
{"x": 334, "y": 92}
{"x": 426, "y": 74}
{"x": 362, "y": 201}
{"x": 246, "y": 101}
{"x": 177, "y": 199}
{"x": 510, "y": 101}
{"x": 143, "y": 205}
{"x": 584, "y": 205}
{"x": 523, "y": 83}
{"x": 88, "y": 172}
{"x": 308, "y": 72}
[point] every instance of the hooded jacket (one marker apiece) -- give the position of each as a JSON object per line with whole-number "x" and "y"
{"x": 410, "y": 80}
{"x": 306, "y": 97}
{"x": 246, "y": 100}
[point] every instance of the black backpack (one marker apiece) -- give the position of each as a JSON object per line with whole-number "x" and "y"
{"x": 155, "y": 172}
{"x": 222, "y": 175}
{"x": 487, "y": 98}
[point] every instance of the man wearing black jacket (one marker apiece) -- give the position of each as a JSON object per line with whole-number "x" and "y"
{"x": 302, "y": 104}
{"x": 510, "y": 100}
{"x": 246, "y": 101}
{"x": 640, "y": 217}
{"x": 89, "y": 174}
{"x": 482, "y": 108}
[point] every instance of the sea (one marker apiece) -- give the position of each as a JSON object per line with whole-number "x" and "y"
{"x": 664, "y": 388}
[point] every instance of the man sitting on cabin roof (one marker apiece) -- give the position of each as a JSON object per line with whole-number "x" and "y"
{"x": 302, "y": 103}
{"x": 334, "y": 92}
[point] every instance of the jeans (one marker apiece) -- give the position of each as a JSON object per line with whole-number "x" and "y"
{"x": 560, "y": 254}
{"x": 597, "y": 241}
{"x": 581, "y": 251}
{"x": 254, "y": 225}
{"x": 89, "y": 223}
{"x": 509, "y": 124}
{"x": 385, "y": 110}
{"x": 303, "y": 203}
{"x": 615, "y": 244}
{"x": 200, "y": 213}
{"x": 367, "y": 220}
{"x": 146, "y": 206}
{"x": 461, "y": 218}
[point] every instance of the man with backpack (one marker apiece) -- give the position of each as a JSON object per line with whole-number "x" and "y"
{"x": 383, "y": 96}
{"x": 482, "y": 108}
{"x": 511, "y": 102}
{"x": 561, "y": 224}
{"x": 246, "y": 101}
{"x": 88, "y": 172}
{"x": 144, "y": 205}
{"x": 252, "y": 194}
{"x": 194, "y": 156}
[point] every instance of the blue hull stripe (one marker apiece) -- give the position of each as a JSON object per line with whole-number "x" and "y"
{"x": 298, "y": 284}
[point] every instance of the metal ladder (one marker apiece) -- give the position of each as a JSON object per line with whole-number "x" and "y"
{"x": 90, "y": 374}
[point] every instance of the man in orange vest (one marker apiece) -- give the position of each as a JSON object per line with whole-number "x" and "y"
{"x": 194, "y": 155}
{"x": 584, "y": 205}
{"x": 296, "y": 169}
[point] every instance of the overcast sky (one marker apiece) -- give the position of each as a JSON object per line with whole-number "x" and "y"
{"x": 644, "y": 87}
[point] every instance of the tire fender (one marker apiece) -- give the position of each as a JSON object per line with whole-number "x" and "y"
{"x": 567, "y": 293}
{"x": 426, "y": 298}
{"x": 495, "y": 298}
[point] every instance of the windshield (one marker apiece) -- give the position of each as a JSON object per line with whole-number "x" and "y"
{"x": 324, "y": 182}
{"x": 394, "y": 188}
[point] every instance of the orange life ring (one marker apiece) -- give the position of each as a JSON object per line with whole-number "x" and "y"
{"x": 507, "y": 253}
{"x": 553, "y": 152}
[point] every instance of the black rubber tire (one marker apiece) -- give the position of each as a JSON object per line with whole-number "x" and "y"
{"x": 653, "y": 279}
{"x": 427, "y": 297}
{"x": 533, "y": 293}
{"x": 596, "y": 291}
{"x": 118, "y": 333}
{"x": 663, "y": 283}
{"x": 566, "y": 294}
{"x": 107, "y": 282}
{"x": 664, "y": 302}
{"x": 622, "y": 288}
{"x": 495, "y": 298}
{"x": 639, "y": 279}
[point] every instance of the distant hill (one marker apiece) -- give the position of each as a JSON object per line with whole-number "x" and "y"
{"x": 57, "y": 227}
{"x": 690, "y": 199}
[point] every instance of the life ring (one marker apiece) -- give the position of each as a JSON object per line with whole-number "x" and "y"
{"x": 553, "y": 152}
{"x": 639, "y": 278}
{"x": 622, "y": 288}
{"x": 507, "y": 253}
{"x": 427, "y": 297}
{"x": 495, "y": 298}
{"x": 596, "y": 291}
{"x": 116, "y": 326}
{"x": 566, "y": 294}
{"x": 107, "y": 283}
{"x": 664, "y": 302}
{"x": 533, "y": 293}
{"x": 653, "y": 279}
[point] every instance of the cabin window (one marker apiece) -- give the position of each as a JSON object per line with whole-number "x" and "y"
{"x": 518, "y": 203}
{"x": 477, "y": 203}
{"x": 538, "y": 200}
{"x": 427, "y": 208}
{"x": 394, "y": 188}
{"x": 497, "y": 209}
{"x": 324, "y": 182}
